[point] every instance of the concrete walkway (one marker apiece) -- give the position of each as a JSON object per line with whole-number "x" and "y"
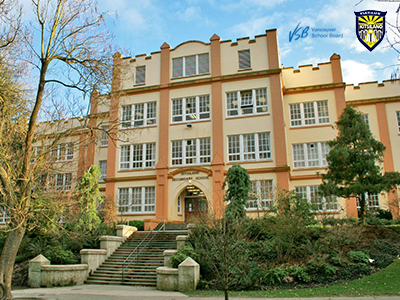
{"x": 122, "y": 292}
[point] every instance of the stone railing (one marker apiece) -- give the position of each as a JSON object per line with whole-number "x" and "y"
{"x": 42, "y": 273}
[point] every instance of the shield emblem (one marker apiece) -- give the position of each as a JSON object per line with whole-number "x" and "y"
{"x": 370, "y": 27}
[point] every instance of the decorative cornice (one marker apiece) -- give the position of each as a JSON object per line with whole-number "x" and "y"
{"x": 313, "y": 88}
{"x": 373, "y": 100}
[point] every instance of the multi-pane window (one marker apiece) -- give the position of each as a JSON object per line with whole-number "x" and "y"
{"x": 62, "y": 152}
{"x": 248, "y": 147}
{"x": 314, "y": 197}
{"x": 60, "y": 182}
{"x": 179, "y": 207}
{"x": 247, "y": 102}
{"x": 372, "y": 201}
{"x": 309, "y": 113}
{"x": 137, "y": 200}
{"x": 191, "y": 152}
{"x": 398, "y": 119}
{"x": 138, "y": 156}
{"x": 103, "y": 169}
{"x": 366, "y": 119}
{"x": 141, "y": 114}
{"x": 190, "y": 109}
{"x": 4, "y": 217}
{"x": 310, "y": 155}
{"x": 140, "y": 75}
{"x": 244, "y": 59}
{"x": 190, "y": 65}
{"x": 104, "y": 136}
{"x": 261, "y": 195}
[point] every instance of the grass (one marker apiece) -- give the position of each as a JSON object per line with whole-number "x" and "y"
{"x": 384, "y": 282}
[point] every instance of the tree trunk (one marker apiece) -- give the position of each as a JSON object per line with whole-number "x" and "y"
{"x": 362, "y": 209}
{"x": 226, "y": 294}
{"x": 7, "y": 259}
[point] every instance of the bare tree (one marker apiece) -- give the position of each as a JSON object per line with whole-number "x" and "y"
{"x": 69, "y": 47}
{"x": 10, "y": 22}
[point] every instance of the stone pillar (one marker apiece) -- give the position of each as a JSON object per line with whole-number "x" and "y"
{"x": 188, "y": 275}
{"x": 35, "y": 270}
{"x": 181, "y": 241}
{"x": 93, "y": 258}
{"x": 110, "y": 243}
{"x": 167, "y": 279}
{"x": 167, "y": 257}
{"x": 125, "y": 231}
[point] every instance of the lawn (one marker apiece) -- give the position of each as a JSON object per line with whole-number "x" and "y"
{"x": 384, "y": 282}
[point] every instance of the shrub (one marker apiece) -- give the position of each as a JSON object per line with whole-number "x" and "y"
{"x": 385, "y": 247}
{"x": 358, "y": 257}
{"x": 381, "y": 260}
{"x": 374, "y": 220}
{"x": 384, "y": 214}
{"x": 355, "y": 270}
{"x": 57, "y": 255}
{"x": 138, "y": 224}
{"x": 182, "y": 254}
{"x": 299, "y": 273}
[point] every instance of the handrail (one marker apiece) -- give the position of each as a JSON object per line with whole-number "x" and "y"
{"x": 124, "y": 268}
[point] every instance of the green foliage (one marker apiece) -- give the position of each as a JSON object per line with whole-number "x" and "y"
{"x": 358, "y": 257}
{"x": 138, "y": 224}
{"x": 88, "y": 195}
{"x": 353, "y": 162}
{"x": 239, "y": 185}
{"x": 384, "y": 214}
{"x": 385, "y": 247}
{"x": 375, "y": 220}
{"x": 182, "y": 254}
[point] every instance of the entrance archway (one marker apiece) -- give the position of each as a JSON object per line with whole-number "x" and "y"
{"x": 194, "y": 202}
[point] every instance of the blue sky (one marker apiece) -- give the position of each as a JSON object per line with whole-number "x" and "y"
{"x": 142, "y": 26}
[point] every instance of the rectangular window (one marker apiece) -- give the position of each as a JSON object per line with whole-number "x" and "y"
{"x": 60, "y": 182}
{"x": 244, "y": 59}
{"x": 309, "y": 113}
{"x": 249, "y": 147}
{"x": 137, "y": 200}
{"x": 103, "y": 169}
{"x": 247, "y": 102}
{"x": 191, "y": 152}
{"x": 179, "y": 204}
{"x": 372, "y": 201}
{"x": 366, "y": 119}
{"x": 310, "y": 155}
{"x": 261, "y": 195}
{"x": 191, "y": 109}
{"x": 62, "y": 152}
{"x": 190, "y": 65}
{"x": 104, "y": 136}
{"x": 4, "y": 217}
{"x": 138, "y": 115}
{"x": 140, "y": 75}
{"x": 398, "y": 120}
{"x": 313, "y": 196}
{"x": 138, "y": 156}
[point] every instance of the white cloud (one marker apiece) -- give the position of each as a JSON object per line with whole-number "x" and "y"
{"x": 193, "y": 15}
{"x": 255, "y": 26}
{"x": 355, "y": 72}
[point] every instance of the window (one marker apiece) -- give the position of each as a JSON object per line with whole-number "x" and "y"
{"x": 246, "y": 102}
{"x": 372, "y": 201}
{"x": 179, "y": 204}
{"x": 249, "y": 147}
{"x": 137, "y": 115}
{"x": 366, "y": 119}
{"x": 140, "y": 75}
{"x": 137, "y": 200}
{"x": 261, "y": 195}
{"x": 312, "y": 195}
{"x": 309, "y": 113}
{"x": 4, "y": 218}
{"x": 190, "y": 109}
{"x": 310, "y": 155}
{"x": 104, "y": 136}
{"x": 60, "y": 182}
{"x": 138, "y": 156}
{"x": 398, "y": 119}
{"x": 103, "y": 169}
{"x": 191, "y": 152}
{"x": 244, "y": 59}
{"x": 62, "y": 152}
{"x": 190, "y": 65}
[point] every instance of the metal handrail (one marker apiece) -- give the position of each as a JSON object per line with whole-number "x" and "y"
{"x": 124, "y": 268}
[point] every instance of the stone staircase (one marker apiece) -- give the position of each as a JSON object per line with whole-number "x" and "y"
{"x": 143, "y": 270}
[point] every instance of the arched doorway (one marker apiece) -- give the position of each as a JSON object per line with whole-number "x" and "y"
{"x": 194, "y": 202}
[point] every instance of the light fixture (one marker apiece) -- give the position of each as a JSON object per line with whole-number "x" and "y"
{"x": 189, "y": 125}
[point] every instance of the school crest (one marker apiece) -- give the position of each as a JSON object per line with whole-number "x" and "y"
{"x": 370, "y": 27}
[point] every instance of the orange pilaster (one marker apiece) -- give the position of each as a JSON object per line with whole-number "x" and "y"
{"x": 94, "y": 99}
{"x": 338, "y": 78}
{"x": 351, "y": 208}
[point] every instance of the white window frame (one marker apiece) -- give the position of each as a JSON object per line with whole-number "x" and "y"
{"x": 140, "y": 69}
{"x": 366, "y": 119}
{"x": 198, "y": 115}
{"x": 4, "y": 217}
{"x": 147, "y": 121}
{"x": 198, "y": 157}
{"x": 257, "y": 108}
{"x": 320, "y": 161}
{"x": 145, "y": 162}
{"x": 65, "y": 178}
{"x": 197, "y": 71}
{"x": 147, "y": 204}
{"x": 241, "y": 57}
{"x": 179, "y": 205}
{"x": 57, "y": 155}
{"x": 316, "y": 119}
{"x": 262, "y": 199}
{"x": 103, "y": 169}
{"x": 309, "y": 190}
{"x": 104, "y": 136}
{"x": 372, "y": 200}
{"x": 398, "y": 120}
{"x": 257, "y": 153}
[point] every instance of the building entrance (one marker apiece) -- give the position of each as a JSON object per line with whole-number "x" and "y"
{"x": 195, "y": 203}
